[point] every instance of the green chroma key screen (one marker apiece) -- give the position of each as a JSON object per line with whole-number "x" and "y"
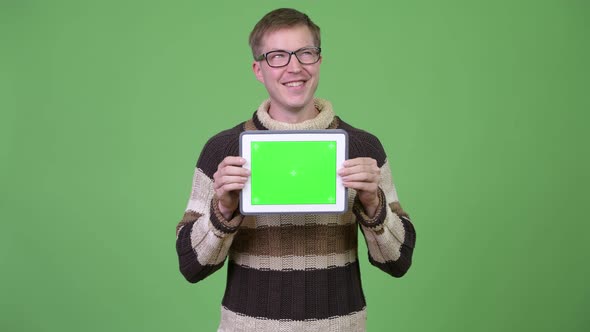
{"x": 293, "y": 172}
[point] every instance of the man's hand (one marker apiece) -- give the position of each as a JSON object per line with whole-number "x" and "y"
{"x": 362, "y": 174}
{"x": 227, "y": 182}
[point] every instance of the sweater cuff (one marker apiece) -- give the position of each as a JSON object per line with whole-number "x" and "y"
{"x": 223, "y": 226}
{"x": 380, "y": 214}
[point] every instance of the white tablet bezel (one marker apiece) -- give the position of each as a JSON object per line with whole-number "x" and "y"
{"x": 338, "y": 135}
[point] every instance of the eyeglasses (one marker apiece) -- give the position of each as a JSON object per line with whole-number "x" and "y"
{"x": 305, "y": 56}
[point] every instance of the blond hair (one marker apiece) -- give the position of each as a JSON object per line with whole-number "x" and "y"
{"x": 279, "y": 19}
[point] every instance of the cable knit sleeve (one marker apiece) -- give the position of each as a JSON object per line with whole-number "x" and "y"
{"x": 390, "y": 235}
{"x": 204, "y": 236}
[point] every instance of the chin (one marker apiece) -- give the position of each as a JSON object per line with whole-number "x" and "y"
{"x": 300, "y": 104}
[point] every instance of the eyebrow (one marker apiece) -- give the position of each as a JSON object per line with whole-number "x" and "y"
{"x": 282, "y": 49}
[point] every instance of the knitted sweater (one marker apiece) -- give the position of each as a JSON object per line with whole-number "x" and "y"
{"x": 292, "y": 272}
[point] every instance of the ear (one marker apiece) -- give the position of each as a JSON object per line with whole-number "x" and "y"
{"x": 257, "y": 71}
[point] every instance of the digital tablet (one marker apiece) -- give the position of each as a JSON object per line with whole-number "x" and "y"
{"x": 293, "y": 171}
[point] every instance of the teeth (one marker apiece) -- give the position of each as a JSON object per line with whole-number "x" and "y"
{"x": 292, "y": 84}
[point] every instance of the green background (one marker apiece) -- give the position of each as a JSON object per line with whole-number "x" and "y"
{"x": 481, "y": 105}
{"x": 272, "y": 178}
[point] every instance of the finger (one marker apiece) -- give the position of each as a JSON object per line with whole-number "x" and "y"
{"x": 360, "y": 161}
{"x": 225, "y": 180}
{"x": 362, "y": 168}
{"x": 231, "y": 161}
{"x": 361, "y": 186}
{"x": 361, "y": 177}
{"x": 234, "y": 171}
{"x": 229, "y": 187}
{"x": 231, "y": 171}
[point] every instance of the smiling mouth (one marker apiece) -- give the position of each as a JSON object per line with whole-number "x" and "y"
{"x": 294, "y": 84}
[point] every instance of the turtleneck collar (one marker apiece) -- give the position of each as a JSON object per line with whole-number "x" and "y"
{"x": 321, "y": 121}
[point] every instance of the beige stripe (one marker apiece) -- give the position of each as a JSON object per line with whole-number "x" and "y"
{"x": 211, "y": 246}
{"x": 317, "y": 240}
{"x": 294, "y": 262}
{"x": 201, "y": 193}
{"x": 233, "y": 322}
{"x": 385, "y": 245}
{"x": 277, "y": 220}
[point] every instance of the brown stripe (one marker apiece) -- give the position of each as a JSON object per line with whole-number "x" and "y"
{"x": 220, "y": 223}
{"x": 294, "y": 295}
{"x": 316, "y": 240}
{"x": 397, "y": 209}
{"x": 249, "y": 125}
{"x": 189, "y": 217}
{"x": 335, "y": 123}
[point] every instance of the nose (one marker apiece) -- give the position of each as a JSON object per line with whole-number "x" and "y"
{"x": 294, "y": 65}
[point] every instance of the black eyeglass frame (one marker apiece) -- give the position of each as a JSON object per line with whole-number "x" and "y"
{"x": 265, "y": 56}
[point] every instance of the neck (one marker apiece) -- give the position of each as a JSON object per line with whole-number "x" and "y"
{"x": 324, "y": 117}
{"x": 297, "y": 115}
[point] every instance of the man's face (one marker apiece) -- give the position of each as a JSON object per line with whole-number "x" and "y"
{"x": 291, "y": 88}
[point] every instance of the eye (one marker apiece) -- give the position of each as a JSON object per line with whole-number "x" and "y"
{"x": 277, "y": 55}
{"x": 307, "y": 54}
{"x": 308, "y": 51}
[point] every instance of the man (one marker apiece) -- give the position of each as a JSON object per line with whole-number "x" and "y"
{"x": 292, "y": 272}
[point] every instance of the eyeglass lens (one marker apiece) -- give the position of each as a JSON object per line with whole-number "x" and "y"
{"x": 282, "y": 58}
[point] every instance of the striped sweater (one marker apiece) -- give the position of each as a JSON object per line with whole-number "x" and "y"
{"x": 292, "y": 272}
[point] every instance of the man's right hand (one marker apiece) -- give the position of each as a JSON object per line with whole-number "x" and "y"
{"x": 227, "y": 182}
